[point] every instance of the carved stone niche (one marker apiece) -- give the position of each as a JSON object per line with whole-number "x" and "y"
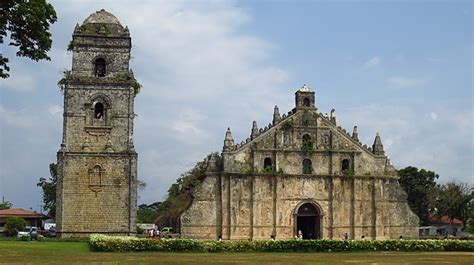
{"x": 96, "y": 178}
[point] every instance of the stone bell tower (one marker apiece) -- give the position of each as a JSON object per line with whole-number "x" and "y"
{"x": 97, "y": 163}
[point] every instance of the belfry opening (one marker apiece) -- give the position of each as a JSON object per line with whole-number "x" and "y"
{"x": 308, "y": 221}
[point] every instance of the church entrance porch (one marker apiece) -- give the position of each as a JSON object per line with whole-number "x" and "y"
{"x": 308, "y": 221}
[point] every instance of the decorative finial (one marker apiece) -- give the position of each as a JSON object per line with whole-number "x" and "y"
{"x": 333, "y": 116}
{"x": 228, "y": 140}
{"x": 377, "y": 147}
{"x": 276, "y": 115}
{"x": 255, "y": 131}
{"x": 355, "y": 134}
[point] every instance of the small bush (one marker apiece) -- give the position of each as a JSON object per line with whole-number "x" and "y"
{"x": 25, "y": 238}
{"x": 13, "y": 224}
{"x": 126, "y": 244}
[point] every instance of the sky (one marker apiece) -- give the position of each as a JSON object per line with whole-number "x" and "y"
{"x": 400, "y": 68}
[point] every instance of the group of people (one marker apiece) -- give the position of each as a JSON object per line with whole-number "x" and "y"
{"x": 151, "y": 232}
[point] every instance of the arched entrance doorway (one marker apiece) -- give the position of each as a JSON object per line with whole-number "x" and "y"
{"x": 308, "y": 220}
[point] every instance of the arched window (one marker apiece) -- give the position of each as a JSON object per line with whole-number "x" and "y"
{"x": 306, "y": 102}
{"x": 267, "y": 164}
{"x": 307, "y": 166}
{"x": 100, "y": 68}
{"x": 99, "y": 111}
{"x": 345, "y": 165}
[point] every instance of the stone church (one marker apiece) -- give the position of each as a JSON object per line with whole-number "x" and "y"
{"x": 300, "y": 172}
{"x": 97, "y": 163}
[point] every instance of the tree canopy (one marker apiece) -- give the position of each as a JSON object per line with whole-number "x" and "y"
{"x": 13, "y": 224}
{"x": 5, "y": 205}
{"x": 420, "y": 186}
{"x": 455, "y": 200}
{"x": 26, "y": 24}
{"x": 49, "y": 190}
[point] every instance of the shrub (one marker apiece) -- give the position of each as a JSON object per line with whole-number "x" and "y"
{"x": 25, "y": 237}
{"x": 13, "y": 224}
{"x": 124, "y": 244}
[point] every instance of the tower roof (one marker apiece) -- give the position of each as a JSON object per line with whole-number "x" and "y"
{"x": 305, "y": 88}
{"x": 102, "y": 16}
{"x": 101, "y": 23}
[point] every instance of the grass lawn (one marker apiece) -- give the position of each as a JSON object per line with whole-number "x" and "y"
{"x": 79, "y": 253}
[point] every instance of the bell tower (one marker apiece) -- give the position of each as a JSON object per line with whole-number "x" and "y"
{"x": 304, "y": 98}
{"x": 97, "y": 164}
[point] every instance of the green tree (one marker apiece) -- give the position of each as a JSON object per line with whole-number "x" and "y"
{"x": 13, "y": 224}
{"x": 49, "y": 190}
{"x": 455, "y": 200}
{"x": 147, "y": 213}
{"x": 469, "y": 227}
{"x": 27, "y": 22}
{"x": 5, "y": 205}
{"x": 420, "y": 186}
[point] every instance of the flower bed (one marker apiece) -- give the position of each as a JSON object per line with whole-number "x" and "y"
{"x": 126, "y": 244}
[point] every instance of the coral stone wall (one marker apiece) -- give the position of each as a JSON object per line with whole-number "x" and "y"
{"x": 265, "y": 181}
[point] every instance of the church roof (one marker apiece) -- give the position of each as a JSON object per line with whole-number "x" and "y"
{"x": 102, "y": 16}
{"x": 18, "y": 212}
{"x": 304, "y": 88}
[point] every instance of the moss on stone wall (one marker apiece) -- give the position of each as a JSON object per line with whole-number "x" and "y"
{"x": 182, "y": 192}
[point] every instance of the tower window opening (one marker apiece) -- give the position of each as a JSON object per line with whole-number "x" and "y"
{"x": 306, "y": 102}
{"x": 99, "y": 111}
{"x": 100, "y": 70}
{"x": 307, "y": 166}
{"x": 267, "y": 164}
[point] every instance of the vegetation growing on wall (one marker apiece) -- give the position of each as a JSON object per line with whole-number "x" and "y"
{"x": 181, "y": 193}
{"x": 118, "y": 77}
{"x": 348, "y": 172}
{"x": 307, "y": 146}
{"x": 287, "y": 125}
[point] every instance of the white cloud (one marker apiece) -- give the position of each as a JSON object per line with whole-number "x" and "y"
{"x": 15, "y": 119}
{"x": 20, "y": 80}
{"x": 188, "y": 128}
{"x": 55, "y": 111}
{"x": 372, "y": 62}
{"x": 412, "y": 139}
{"x": 407, "y": 82}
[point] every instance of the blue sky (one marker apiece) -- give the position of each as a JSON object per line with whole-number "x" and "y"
{"x": 401, "y": 68}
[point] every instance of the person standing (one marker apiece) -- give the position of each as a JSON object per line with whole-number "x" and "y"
{"x": 300, "y": 235}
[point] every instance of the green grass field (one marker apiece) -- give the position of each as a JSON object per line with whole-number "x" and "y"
{"x": 20, "y": 252}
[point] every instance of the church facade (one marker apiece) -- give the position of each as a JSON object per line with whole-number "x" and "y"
{"x": 97, "y": 164}
{"x": 304, "y": 173}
